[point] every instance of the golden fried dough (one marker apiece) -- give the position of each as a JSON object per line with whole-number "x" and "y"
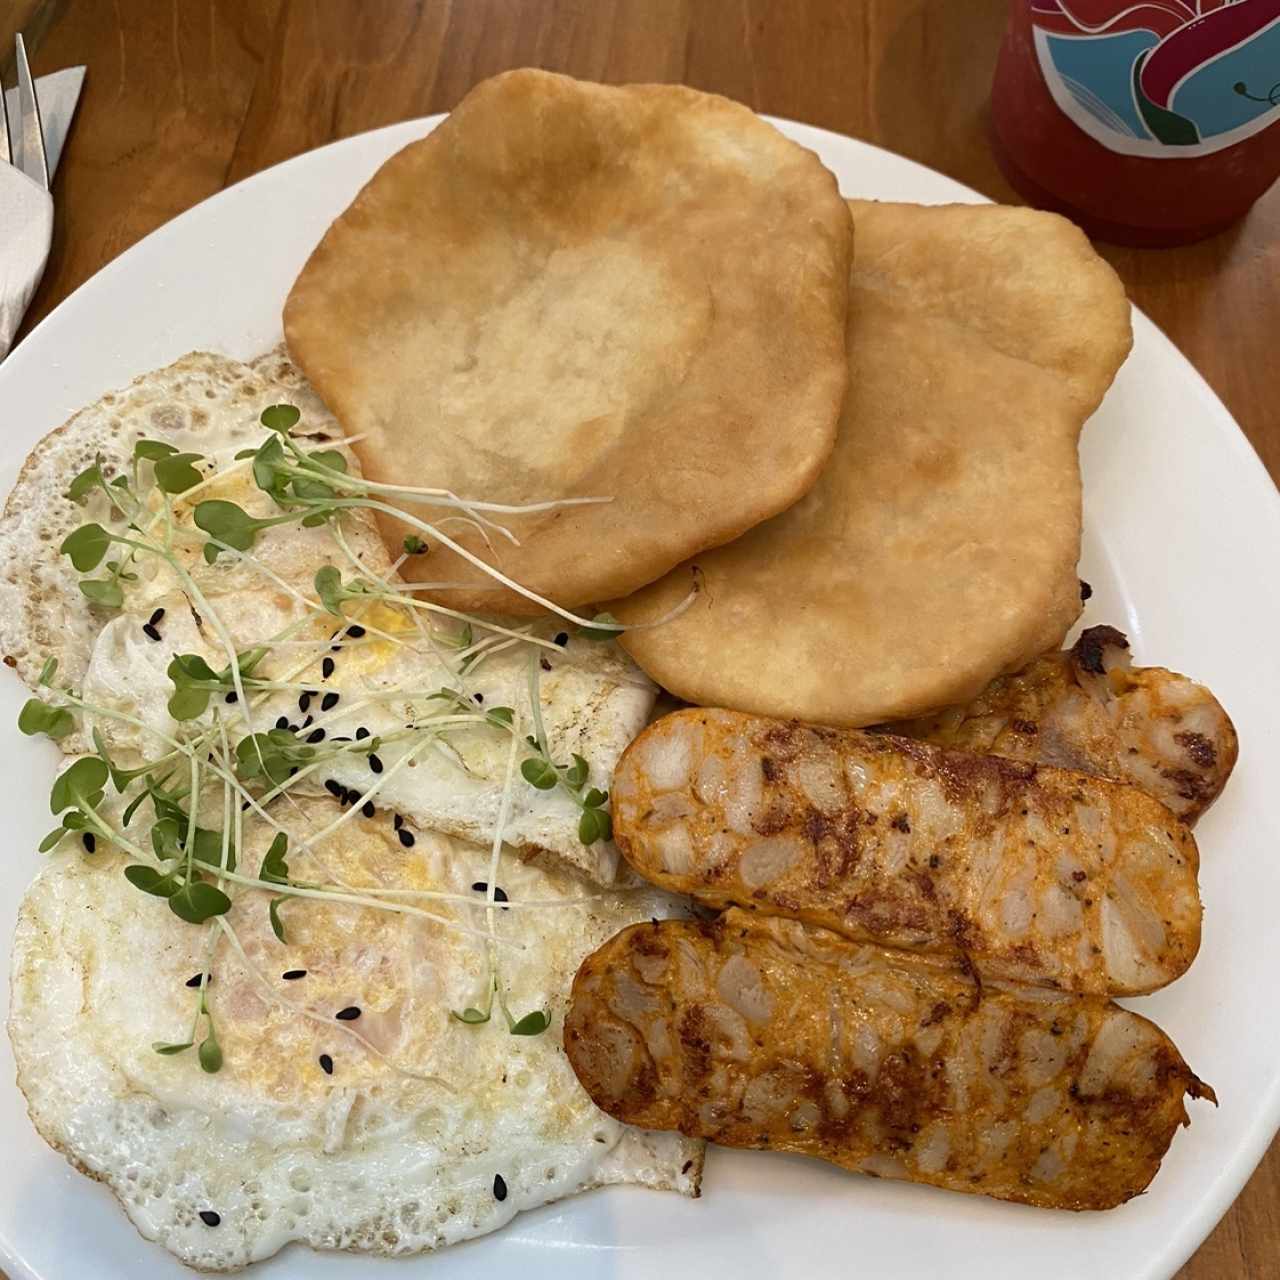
{"x": 573, "y": 290}
{"x": 939, "y": 547}
{"x": 1034, "y": 874}
{"x": 1086, "y": 708}
{"x": 764, "y": 1033}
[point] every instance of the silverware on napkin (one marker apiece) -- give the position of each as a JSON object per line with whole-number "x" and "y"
{"x": 34, "y": 119}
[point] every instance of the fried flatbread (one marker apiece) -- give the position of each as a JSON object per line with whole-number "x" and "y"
{"x": 939, "y": 547}
{"x": 573, "y": 290}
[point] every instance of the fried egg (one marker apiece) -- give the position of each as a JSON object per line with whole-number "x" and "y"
{"x": 593, "y": 699}
{"x": 393, "y": 1129}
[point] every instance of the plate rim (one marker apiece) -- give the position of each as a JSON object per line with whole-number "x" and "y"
{"x": 1222, "y": 1191}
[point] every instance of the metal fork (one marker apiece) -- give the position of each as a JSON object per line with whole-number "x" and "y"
{"x": 26, "y": 207}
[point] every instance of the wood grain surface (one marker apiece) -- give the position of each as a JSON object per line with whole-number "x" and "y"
{"x": 183, "y": 98}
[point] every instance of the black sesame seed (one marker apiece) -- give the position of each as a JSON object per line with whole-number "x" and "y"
{"x": 194, "y": 980}
{"x": 544, "y": 664}
{"x": 562, "y": 638}
{"x": 244, "y": 805}
{"x": 209, "y": 1218}
{"x": 367, "y": 809}
{"x": 499, "y": 894}
{"x": 480, "y": 886}
{"x": 292, "y": 975}
{"x": 282, "y": 722}
{"x": 151, "y": 633}
{"x": 154, "y": 620}
{"x": 1085, "y": 590}
{"x": 304, "y": 702}
{"x": 406, "y": 838}
{"x": 233, "y": 696}
{"x": 374, "y": 763}
{"x": 335, "y": 789}
{"x": 479, "y": 697}
{"x": 499, "y": 1187}
{"x": 328, "y": 702}
{"x": 335, "y": 648}
{"x": 349, "y": 1014}
{"x": 355, "y": 631}
{"x": 306, "y": 724}
{"x": 326, "y": 668}
{"x": 90, "y": 841}
{"x": 316, "y": 735}
{"x": 326, "y": 1064}
{"x": 361, "y": 732}
{"x": 397, "y": 822}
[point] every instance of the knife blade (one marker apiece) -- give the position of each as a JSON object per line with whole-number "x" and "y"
{"x": 57, "y": 94}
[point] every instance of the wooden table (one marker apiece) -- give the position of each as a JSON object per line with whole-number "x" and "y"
{"x": 183, "y": 99}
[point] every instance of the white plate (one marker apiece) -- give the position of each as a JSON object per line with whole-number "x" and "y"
{"x": 1182, "y": 535}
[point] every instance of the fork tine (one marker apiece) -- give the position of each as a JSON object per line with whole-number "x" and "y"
{"x": 33, "y": 161}
{"x": 6, "y": 147}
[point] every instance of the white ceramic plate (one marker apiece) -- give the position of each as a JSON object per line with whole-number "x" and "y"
{"x": 1182, "y": 532}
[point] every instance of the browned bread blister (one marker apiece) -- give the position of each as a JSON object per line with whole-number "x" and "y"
{"x": 763, "y": 1033}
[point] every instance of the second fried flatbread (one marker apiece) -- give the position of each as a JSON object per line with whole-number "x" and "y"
{"x": 939, "y": 547}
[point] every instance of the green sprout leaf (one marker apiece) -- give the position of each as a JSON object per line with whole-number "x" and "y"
{"x": 198, "y": 901}
{"x": 228, "y": 523}
{"x": 594, "y": 799}
{"x": 539, "y": 773}
{"x": 600, "y": 628}
{"x": 149, "y": 880}
{"x": 175, "y": 474}
{"x": 273, "y": 755}
{"x": 532, "y": 1024}
{"x": 191, "y": 675}
{"x": 268, "y": 464}
{"x": 329, "y": 459}
{"x": 169, "y": 1049}
{"x": 275, "y": 868}
{"x": 414, "y": 545}
{"x": 37, "y": 716}
{"x": 577, "y": 774}
{"x": 52, "y": 839}
{"x": 153, "y": 450}
{"x": 328, "y": 583}
{"x": 86, "y": 546}
{"x": 48, "y": 671}
{"x": 277, "y": 925}
{"x": 82, "y": 783}
{"x": 280, "y": 417}
{"x": 84, "y": 484}
{"x": 595, "y": 824}
{"x": 500, "y": 716}
{"x": 472, "y": 1017}
{"x": 206, "y": 847}
{"x": 104, "y": 592}
{"x": 131, "y": 808}
{"x": 210, "y": 1054}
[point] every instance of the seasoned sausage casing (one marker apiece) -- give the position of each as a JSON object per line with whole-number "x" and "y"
{"x": 1032, "y": 874}
{"x": 1086, "y": 708}
{"x": 756, "y": 1032}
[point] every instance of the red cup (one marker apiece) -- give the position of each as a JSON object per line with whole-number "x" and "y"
{"x": 1148, "y": 122}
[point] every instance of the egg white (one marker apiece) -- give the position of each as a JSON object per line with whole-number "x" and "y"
{"x": 398, "y": 1149}
{"x": 593, "y": 699}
